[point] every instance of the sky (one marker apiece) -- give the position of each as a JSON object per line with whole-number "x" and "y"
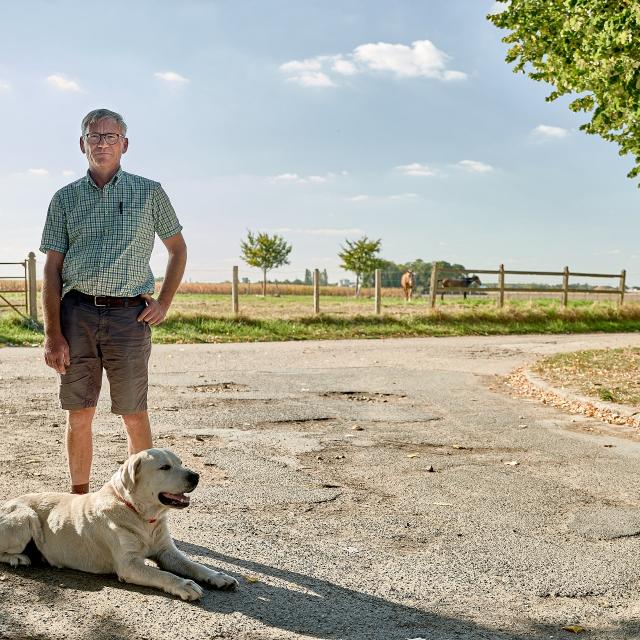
{"x": 318, "y": 120}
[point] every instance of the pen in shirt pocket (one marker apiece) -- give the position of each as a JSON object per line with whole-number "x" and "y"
{"x": 120, "y": 207}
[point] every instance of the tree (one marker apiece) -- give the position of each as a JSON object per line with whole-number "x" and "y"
{"x": 360, "y": 257}
{"x": 266, "y": 252}
{"x": 324, "y": 278}
{"x": 585, "y": 47}
{"x": 308, "y": 276}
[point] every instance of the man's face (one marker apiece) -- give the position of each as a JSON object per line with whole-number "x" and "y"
{"x": 102, "y": 156}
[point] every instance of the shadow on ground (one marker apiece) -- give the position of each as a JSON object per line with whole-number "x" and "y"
{"x": 306, "y": 605}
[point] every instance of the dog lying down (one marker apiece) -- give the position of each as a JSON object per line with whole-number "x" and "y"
{"x": 114, "y": 529}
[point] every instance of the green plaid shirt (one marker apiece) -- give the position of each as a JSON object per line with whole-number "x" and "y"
{"x": 107, "y": 234}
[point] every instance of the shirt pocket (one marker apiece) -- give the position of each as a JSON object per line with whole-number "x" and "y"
{"x": 135, "y": 222}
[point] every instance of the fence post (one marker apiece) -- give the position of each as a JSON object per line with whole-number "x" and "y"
{"x": 501, "y": 286}
{"x": 378, "y": 291}
{"x": 433, "y": 284}
{"x": 32, "y": 286}
{"x": 234, "y": 292}
{"x": 623, "y": 281}
{"x": 316, "y": 291}
{"x": 565, "y": 287}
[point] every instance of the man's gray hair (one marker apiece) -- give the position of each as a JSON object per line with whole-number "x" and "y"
{"x": 100, "y": 114}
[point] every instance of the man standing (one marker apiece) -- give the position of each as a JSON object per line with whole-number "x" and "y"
{"x": 98, "y": 285}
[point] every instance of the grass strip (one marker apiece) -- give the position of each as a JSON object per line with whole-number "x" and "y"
{"x": 182, "y": 327}
{"x": 603, "y": 374}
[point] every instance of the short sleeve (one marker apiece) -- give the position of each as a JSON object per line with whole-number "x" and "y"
{"x": 54, "y": 234}
{"x": 165, "y": 219}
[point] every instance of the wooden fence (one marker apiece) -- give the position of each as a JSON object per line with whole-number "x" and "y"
{"x": 502, "y": 287}
{"x": 435, "y": 288}
{"x": 26, "y": 284}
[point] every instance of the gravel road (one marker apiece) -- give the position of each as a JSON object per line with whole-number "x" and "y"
{"x": 359, "y": 490}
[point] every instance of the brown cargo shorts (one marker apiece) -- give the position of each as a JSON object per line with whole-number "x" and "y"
{"x": 109, "y": 338}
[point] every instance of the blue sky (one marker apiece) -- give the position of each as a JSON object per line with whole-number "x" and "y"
{"x": 318, "y": 120}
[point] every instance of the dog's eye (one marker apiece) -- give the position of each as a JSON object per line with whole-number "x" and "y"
{"x": 165, "y": 467}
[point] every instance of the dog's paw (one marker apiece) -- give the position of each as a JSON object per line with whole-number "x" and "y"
{"x": 188, "y": 590}
{"x": 220, "y": 581}
{"x": 18, "y": 559}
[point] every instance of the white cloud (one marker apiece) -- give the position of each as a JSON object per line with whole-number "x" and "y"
{"x": 298, "y": 179}
{"x": 454, "y": 76}
{"x": 171, "y": 77}
{"x": 421, "y": 59}
{"x": 312, "y": 79}
{"x": 475, "y": 167}
{"x": 547, "y": 131}
{"x": 67, "y": 173}
{"x": 4, "y": 86}
{"x": 62, "y": 83}
{"x": 359, "y": 198}
{"x": 286, "y": 177}
{"x": 38, "y": 172}
{"x": 402, "y": 196}
{"x": 499, "y": 7}
{"x": 320, "y": 232}
{"x": 416, "y": 169}
{"x": 344, "y": 67}
{"x": 300, "y": 66}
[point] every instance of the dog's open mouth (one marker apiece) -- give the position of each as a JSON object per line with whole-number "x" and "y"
{"x": 176, "y": 500}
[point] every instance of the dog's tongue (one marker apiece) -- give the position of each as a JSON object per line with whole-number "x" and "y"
{"x": 177, "y": 497}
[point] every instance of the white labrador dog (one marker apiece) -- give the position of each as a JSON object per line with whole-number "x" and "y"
{"x": 114, "y": 529}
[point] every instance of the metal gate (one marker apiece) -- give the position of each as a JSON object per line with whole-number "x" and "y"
{"x": 27, "y": 286}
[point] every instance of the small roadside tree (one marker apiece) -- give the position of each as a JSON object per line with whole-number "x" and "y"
{"x": 361, "y": 257}
{"x": 265, "y": 252}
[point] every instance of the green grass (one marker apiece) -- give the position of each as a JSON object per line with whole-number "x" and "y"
{"x": 206, "y": 318}
{"x": 605, "y": 374}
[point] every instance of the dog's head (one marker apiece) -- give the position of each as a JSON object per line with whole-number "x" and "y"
{"x": 156, "y": 477}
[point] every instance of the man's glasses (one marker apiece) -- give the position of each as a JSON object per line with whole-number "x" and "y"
{"x": 109, "y": 138}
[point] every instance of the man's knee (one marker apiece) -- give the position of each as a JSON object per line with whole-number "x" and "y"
{"x": 80, "y": 419}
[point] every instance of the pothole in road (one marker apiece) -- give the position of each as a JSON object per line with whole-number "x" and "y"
{"x": 219, "y": 387}
{"x": 363, "y": 396}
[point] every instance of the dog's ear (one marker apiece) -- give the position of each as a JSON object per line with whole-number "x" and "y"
{"x": 129, "y": 471}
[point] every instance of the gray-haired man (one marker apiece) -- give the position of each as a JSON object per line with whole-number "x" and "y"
{"x": 98, "y": 286}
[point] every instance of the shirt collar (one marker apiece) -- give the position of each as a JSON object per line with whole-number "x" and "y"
{"x": 113, "y": 182}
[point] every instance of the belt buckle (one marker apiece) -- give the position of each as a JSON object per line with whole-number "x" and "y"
{"x": 95, "y": 301}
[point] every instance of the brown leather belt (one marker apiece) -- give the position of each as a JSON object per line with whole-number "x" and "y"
{"x": 106, "y": 301}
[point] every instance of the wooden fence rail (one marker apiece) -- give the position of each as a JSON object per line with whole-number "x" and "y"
{"x": 501, "y": 272}
{"x": 435, "y": 288}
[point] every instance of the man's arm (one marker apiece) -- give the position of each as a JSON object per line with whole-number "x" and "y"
{"x": 56, "y": 349}
{"x": 157, "y": 309}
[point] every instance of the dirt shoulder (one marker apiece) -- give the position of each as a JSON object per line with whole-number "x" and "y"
{"x": 375, "y": 489}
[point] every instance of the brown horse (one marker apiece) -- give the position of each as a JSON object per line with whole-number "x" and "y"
{"x": 408, "y": 284}
{"x": 466, "y": 282}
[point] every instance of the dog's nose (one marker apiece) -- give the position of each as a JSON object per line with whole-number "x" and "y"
{"x": 192, "y": 478}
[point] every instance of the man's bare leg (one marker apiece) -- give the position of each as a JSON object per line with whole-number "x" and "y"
{"x": 79, "y": 447}
{"x": 138, "y": 431}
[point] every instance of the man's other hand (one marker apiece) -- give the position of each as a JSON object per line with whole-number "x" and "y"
{"x": 56, "y": 353}
{"x": 154, "y": 313}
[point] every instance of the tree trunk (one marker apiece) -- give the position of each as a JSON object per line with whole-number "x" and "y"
{"x": 357, "y": 285}
{"x": 264, "y": 283}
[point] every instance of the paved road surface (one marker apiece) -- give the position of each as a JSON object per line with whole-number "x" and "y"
{"x": 316, "y": 460}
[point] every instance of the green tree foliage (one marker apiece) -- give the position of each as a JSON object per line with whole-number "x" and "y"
{"x": 361, "y": 258}
{"x": 588, "y": 48}
{"x": 265, "y": 252}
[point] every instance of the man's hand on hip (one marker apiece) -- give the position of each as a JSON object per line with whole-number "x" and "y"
{"x": 56, "y": 353}
{"x": 154, "y": 313}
